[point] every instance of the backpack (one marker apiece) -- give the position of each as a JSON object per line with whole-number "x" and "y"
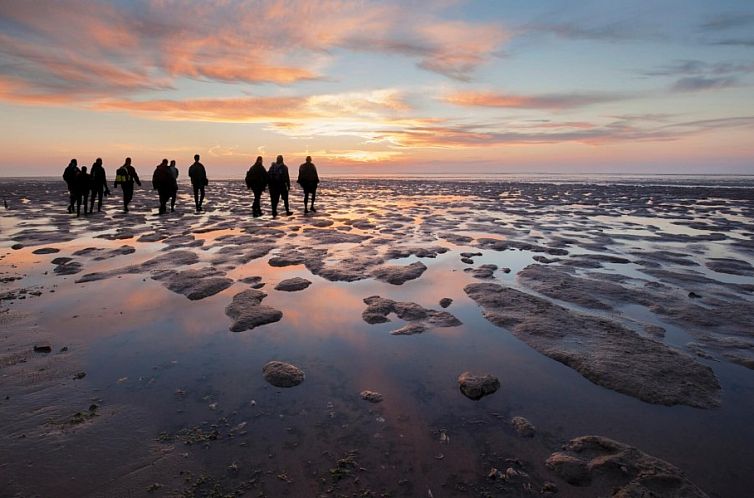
{"x": 122, "y": 175}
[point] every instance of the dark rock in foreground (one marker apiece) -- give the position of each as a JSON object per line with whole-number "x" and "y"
{"x": 476, "y": 387}
{"x": 419, "y": 318}
{"x": 523, "y": 427}
{"x": 371, "y": 396}
{"x": 629, "y": 471}
{"x": 293, "y": 284}
{"x": 603, "y": 351}
{"x": 281, "y": 374}
{"x": 248, "y": 312}
{"x": 398, "y": 275}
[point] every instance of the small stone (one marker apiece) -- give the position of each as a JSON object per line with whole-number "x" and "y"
{"x": 79, "y": 375}
{"x": 523, "y": 427}
{"x": 445, "y": 302}
{"x": 371, "y": 396}
{"x": 694, "y": 295}
{"x": 476, "y": 387}
{"x": 573, "y": 470}
{"x": 281, "y": 374}
{"x": 42, "y": 347}
{"x": 16, "y": 247}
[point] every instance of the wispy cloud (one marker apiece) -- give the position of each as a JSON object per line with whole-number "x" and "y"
{"x": 548, "y": 101}
{"x": 696, "y": 75}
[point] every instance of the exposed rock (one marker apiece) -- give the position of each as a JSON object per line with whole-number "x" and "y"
{"x": 397, "y": 275}
{"x": 43, "y": 347}
{"x": 378, "y": 309}
{"x": 46, "y": 250}
{"x": 482, "y": 271}
{"x": 195, "y": 284}
{"x": 293, "y": 284}
{"x": 476, "y": 387}
{"x": 629, "y": 471}
{"x": 371, "y": 396}
{"x": 603, "y": 351}
{"x": 445, "y": 302}
{"x": 523, "y": 427}
{"x": 744, "y": 361}
{"x": 281, "y": 374}
{"x": 248, "y": 312}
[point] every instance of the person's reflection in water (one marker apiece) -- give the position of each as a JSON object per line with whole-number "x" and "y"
{"x": 256, "y": 181}
{"x": 83, "y": 184}
{"x": 125, "y": 177}
{"x": 69, "y": 175}
{"x": 280, "y": 184}
{"x": 308, "y": 179}
{"x": 99, "y": 185}
{"x": 164, "y": 183}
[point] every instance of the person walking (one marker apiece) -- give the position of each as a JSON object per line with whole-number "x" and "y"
{"x": 69, "y": 175}
{"x": 308, "y": 179}
{"x": 164, "y": 183}
{"x": 83, "y": 184}
{"x": 280, "y": 184}
{"x": 256, "y": 181}
{"x": 125, "y": 177}
{"x": 174, "y": 172}
{"x": 198, "y": 176}
{"x": 99, "y": 184}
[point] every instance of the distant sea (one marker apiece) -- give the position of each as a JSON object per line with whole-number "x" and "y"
{"x": 716, "y": 180}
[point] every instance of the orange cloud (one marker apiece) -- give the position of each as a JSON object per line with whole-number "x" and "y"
{"x": 552, "y": 101}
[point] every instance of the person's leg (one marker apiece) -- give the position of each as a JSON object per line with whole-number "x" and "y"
{"x": 78, "y": 205}
{"x": 71, "y": 200}
{"x": 284, "y": 195}
{"x": 201, "y": 196}
{"x": 128, "y": 194}
{"x": 255, "y": 207}
{"x": 164, "y": 195}
{"x": 91, "y": 201}
{"x": 306, "y": 201}
{"x": 196, "y": 196}
{"x": 100, "y": 193}
{"x": 314, "y": 194}
{"x": 86, "y": 203}
{"x": 274, "y": 199}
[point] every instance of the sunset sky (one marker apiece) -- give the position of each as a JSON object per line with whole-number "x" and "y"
{"x": 380, "y": 87}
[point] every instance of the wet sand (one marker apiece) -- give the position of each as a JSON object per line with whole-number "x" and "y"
{"x": 617, "y": 311}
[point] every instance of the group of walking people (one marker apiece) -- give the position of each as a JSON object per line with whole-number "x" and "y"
{"x": 86, "y": 186}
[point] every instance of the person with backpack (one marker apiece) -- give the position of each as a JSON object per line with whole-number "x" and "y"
{"x": 198, "y": 176}
{"x": 125, "y": 176}
{"x": 256, "y": 181}
{"x": 174, "y": 172}
{"x": 83, "y": 184}
{"x": 163, "y": 182}
{"x": 280, "y": 184}
{"x": 308, "y": 179}
{"x": 69, "y": 176}
{"x": 99, "y": 185}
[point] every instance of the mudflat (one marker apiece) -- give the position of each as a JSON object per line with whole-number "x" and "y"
{"x": 616, "y": 322}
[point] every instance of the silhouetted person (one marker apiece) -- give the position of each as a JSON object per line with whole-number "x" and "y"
{"x": 83, "y": 184}
{"x": 308, "y": 179}
{"x": 125, "y": 177}
{"x": 164, "y": 183}
{"x": 99, "y": 185}
{"x": 198, "y": 176}
{"x": 69, "y": 175}
{"x": 280, "y": 184}
{"x": 256, "y": 181}
{"x": 174, "y": 172}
